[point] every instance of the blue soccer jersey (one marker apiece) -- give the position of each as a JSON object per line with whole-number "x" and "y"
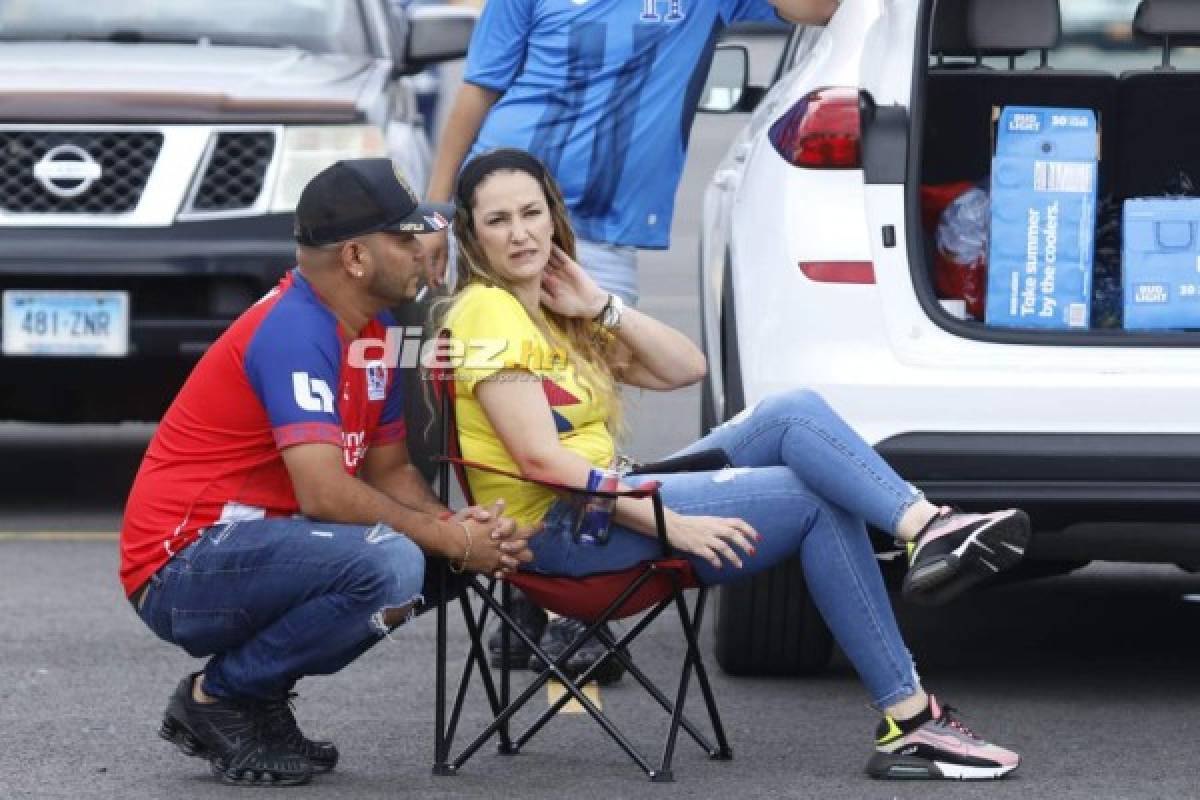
{"x": 604, "y": 93}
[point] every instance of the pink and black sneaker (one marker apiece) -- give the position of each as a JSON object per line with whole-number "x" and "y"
{"x": 935, "y": 745}
{"x": 955, "y": 551}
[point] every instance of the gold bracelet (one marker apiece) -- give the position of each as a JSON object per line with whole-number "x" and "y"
{"x": 462, "y": 564}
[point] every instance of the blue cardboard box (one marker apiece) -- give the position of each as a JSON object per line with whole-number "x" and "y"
{"x": 1043, "y": 218}
{"x": 1161, "y": 261}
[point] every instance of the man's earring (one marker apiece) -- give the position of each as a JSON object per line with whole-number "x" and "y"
{"x": 358, "y": 274}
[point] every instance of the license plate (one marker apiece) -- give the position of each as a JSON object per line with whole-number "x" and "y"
{"x": 65, "y": 323}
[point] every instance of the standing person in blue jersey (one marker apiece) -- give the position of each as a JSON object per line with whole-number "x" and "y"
{"x": 603, "y": 92}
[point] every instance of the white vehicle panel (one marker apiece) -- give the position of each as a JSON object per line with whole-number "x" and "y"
{"x": 857, "y": 344}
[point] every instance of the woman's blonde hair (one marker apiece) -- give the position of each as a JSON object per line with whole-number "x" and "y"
{"x": 589, "y": 349}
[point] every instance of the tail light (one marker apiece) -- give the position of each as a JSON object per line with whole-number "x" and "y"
{"x": 822, "y": 131}
{"x": 839, "y": 271}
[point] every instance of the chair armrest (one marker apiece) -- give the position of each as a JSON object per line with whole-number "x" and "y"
{"x": 647, "y": 489}
{"x": 702, "y": 461}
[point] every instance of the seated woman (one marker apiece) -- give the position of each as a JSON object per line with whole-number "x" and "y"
{"x": 544, "y": 350}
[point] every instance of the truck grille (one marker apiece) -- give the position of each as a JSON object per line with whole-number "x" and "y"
{"x": 233, "y": 177}
{"x": 75, "y": 172}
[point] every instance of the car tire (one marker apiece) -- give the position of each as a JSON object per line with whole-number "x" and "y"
{"x": 767, "y": 625}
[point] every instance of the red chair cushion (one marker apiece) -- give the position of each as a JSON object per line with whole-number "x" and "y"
{"x": 586, "y": 598}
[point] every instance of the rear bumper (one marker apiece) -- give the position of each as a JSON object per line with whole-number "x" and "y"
{"x": 1121, "y": 497}
{"x": 186, "y": 283}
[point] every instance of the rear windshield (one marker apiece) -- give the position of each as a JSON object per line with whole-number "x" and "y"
{"x": 1098, "y": 36}
{"x": 323, "y": 26}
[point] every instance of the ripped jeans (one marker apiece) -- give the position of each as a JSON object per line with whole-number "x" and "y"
{"x": 272, "y": 600}
{"x": 808, "y": 484}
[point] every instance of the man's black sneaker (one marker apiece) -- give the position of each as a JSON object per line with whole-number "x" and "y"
{"x": 560, "y": 632}
{"x": 279, "y": 725}
{"x": 532, "y": 620}
{"x": 956, "y": 551}
{"x": 229, "y": 734}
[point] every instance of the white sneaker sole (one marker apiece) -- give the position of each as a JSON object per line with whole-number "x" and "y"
{"x": 886, "y": 766}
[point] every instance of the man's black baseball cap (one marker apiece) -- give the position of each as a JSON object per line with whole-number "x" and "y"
{"x": 358, "y": 196}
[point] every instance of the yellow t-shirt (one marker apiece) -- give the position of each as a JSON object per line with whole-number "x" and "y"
{"x": 494, "y": 333}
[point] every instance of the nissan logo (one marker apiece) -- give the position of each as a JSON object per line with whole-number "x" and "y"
{"x": 67, "y": 171}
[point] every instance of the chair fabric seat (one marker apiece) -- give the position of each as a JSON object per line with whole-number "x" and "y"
{"x": 586, "y": 598}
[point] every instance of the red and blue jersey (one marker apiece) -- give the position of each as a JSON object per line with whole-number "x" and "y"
{"x": 278, "y": 377}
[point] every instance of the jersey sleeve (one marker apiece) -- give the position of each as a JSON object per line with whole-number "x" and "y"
{"x": 491, "y": 332}
{"x": 749, "y": 11}
{"x": 295, "y": 378}
{"x": 497, "y": 48}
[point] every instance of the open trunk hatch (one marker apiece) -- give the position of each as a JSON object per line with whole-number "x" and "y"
{"x": 978, "y": 57}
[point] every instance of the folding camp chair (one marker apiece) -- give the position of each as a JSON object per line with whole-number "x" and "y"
{"x": 652, "y": 586}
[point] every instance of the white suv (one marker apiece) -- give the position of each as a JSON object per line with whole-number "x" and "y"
{"x": 816, "y": 271}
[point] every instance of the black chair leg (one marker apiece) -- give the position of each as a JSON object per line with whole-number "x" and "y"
{"x": 724, "y": 751}
{"x": 506, "y": 746}
{"x": 504, "y": 707}
{"x": 554, "y": 670}
{"x": 684, "y": 679}
{"x": 441, "y": 745}
{"x": 583, "y": 679}
{"x": 655, "y": 692}
{"x": 476, "y": 657}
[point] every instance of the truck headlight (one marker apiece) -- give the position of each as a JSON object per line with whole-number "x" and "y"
{"x": 309, "y": 149}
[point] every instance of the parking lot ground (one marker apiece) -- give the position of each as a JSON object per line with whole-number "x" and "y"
{"x": 1091, "y": 676}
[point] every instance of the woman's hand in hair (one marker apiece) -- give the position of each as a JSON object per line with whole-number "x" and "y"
{"x": 718, "y": 540}
{"x": 568, "y": 290}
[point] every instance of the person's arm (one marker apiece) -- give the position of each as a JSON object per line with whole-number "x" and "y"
{"x": 471, "y": 106}
{"x": 516, "y": 407}
{"x": 805, "y": 12}
{"x": 389, "y": 469}
{"x": 326, "y": 492}
{"x": 658, "y": 356}
{"x": 653, "y": 356}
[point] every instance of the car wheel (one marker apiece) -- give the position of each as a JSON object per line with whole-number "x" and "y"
{"x": 767, "y": 625}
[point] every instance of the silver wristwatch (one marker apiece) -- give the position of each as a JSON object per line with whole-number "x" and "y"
{"x": 609, "y": 317}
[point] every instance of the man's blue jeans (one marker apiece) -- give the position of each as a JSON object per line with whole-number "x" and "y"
{"x": 808, "y": 484}
{"x": 272, "y": 600}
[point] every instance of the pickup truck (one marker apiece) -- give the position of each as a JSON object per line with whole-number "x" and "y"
{"x": 151, "y": 156}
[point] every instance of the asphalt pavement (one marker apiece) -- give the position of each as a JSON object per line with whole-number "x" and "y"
{"x": 1091, "y": 676}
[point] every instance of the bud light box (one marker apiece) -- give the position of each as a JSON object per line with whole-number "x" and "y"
{"x": 1161, "y": 262}
{"x": 1043, "y": 218}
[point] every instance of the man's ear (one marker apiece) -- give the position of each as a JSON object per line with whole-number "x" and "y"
{"x": 353, "y": 257}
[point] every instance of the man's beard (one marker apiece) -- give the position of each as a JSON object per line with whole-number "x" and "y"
{"x": 392, "y": 289}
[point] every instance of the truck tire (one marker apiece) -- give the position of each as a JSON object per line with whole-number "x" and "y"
{"x": 767, "y": 625}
